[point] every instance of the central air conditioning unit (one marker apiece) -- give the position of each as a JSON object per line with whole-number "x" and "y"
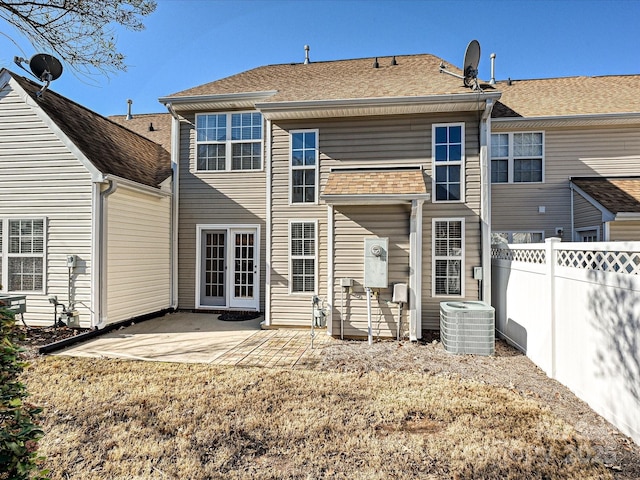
{"x": 468, "y": 327}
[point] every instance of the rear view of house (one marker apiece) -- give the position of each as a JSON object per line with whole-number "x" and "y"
{"x": 293, "y": 178}
{"x": 85, "y": 210}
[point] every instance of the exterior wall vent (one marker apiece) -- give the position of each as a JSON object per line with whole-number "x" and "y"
{"x": 467, "y": 327}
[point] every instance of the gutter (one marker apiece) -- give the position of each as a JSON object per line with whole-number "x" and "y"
{"x": 569, "y": 120}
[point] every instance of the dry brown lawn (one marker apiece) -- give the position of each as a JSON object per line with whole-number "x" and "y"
{"x": 111, "y": 419}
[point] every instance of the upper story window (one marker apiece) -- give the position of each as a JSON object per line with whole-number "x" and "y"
{"x": 22, "y": 248}
{"x": 448, "y": 162}
{"x": 229, "y": 141}
{"x": 517, "y": 157}
{"x": 304, "y": 166}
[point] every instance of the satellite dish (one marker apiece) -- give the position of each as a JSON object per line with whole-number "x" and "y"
{"x": 45, "y": 67}
{"x": 471, "y": 60}
{"x": 469, "y": 66}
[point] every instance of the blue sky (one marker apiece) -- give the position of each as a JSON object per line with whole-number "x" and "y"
{"x": 191, "y": 42}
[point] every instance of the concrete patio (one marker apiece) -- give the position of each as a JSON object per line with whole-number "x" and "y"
{"x": 202, "y": 338}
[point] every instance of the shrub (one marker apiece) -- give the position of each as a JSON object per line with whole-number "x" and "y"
{"x": 19, "y": 434}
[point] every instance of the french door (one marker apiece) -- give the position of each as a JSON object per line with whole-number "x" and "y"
{"x": 228, "y": 275}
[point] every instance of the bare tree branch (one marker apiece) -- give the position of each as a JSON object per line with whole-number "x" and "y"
{"x": 80, "y": 32}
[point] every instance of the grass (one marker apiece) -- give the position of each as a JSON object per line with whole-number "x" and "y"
{"x": 134, "y": 420}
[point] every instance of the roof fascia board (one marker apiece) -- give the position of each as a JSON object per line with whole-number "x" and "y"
{"x": 178, "y": 101}
{"x": 376, "y": 102}
{"x": 607, "y": 216}
{"x": 371, "y": 199}
{"x": 567, "y": 120}
{"x": 131, "y": 185}
{"x": 96, "y": 175}
{"x": 627, "y": 216}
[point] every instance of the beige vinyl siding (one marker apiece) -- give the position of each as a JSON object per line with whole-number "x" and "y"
{"x": 352, "y": 226}
{"x": 221, "y": 198}
{"x": 568, "y": 153}
{"x": 138, "y": 254}
{"x": 41, "y": 178}
{"x": 585, "y": 215}
{"x": 367, "y": 142}
{"x": 624, "y": 231}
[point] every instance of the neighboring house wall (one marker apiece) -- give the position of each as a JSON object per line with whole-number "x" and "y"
{"x": 41, "y": 178}
{"x": 138, "y": 254}
{"x": 220, "y": 199}
{"x": 624, "y": 230}
{"x": 568, "y": 152}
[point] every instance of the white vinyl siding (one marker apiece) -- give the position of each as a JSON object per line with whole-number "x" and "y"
{"x": 448, "y": 149}
{"x": 303, "y": 257}
{"x": 42, "y": 179}
{"x": 138, "y": 254}
{"x": 448, "y": 257}
{"x": 304, "y": 166}
{"x": 229, "y": 141}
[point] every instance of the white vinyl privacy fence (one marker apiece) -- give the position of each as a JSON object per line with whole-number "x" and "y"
{"x": 574, "y": 309}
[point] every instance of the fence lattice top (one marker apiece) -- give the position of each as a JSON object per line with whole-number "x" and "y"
{"x": 626, "y": 262}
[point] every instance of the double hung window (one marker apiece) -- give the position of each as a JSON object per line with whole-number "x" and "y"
{"x": 448, "y": 257}
{"x": 304, "y": 166}
{"x": 302, "y": 237}
{"x": 517, "y": 157}
{"x": 516, "y": 237}
{"x": 22, "y": 243}
{"x": 229, "y": 141}
{"x": 448, "y": 162}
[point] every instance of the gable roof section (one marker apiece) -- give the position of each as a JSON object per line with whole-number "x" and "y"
{"x": 616, "y": 194}
{"x": 112, "y": 149}
{"x": 568, "y": 96}
{"x": 153, "y": 126}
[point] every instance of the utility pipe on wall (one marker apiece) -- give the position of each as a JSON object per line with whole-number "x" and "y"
{"x": 369, "y": 326}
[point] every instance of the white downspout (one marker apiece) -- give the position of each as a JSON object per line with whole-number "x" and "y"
{"x": 175, "y": 186}
{"x": 485, "y": 200}
{"x": 267, "y": 247}
{"x": 330, "y": 268}
{"x": 100, "y": 250}
{"x": 415, "y": 271}
{"x": 573, "y": 230}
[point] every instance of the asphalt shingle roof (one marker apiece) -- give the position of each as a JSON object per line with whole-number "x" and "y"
{"x": 376, "y": 182}
{"x": 412, "y": 76}
{"x": 112, "y": 148}
{"x": 154, "y": 126}
{"x": 564, "y": 96}
{"x": 616, "y": 194}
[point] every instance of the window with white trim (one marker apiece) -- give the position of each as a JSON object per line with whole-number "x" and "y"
{"x": 448, "y": 257}
{"x": 499, "y": 238}
{"x": 22, "y": 243}
{"x": 229, "y": 141}
{"x": 448, "y": 162}
{"x": 304, "y": 166}
{"x": 517, "y": 157}
{"x": 302, "y": 256}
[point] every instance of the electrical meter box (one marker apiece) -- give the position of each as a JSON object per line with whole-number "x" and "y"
{"x": 376, "y": 262}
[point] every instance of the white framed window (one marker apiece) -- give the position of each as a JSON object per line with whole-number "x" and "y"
{"x": 517, "y": 237}
{"x": 304, "y": 160}
{"x": 23, "y": 247}
{"x": 228, "y": 141}
{"x": 448, "y": 162}
{"x": 303, "y": 256}
{"x": 517, "y": 157}
{"x": 448, "y": 257}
